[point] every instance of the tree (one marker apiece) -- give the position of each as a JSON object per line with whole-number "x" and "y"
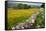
{"x": 25, "y": 6}
{"x": 29, "y": 6}
{"x": 43, "y": 5}
{"x": 20, "y": 6}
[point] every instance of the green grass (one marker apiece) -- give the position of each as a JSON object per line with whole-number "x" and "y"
{"x": 19, "y": 16}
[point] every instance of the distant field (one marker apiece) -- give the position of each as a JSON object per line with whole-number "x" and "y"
{"x": 19, "y": 15}
{"x": 21, "y": 12}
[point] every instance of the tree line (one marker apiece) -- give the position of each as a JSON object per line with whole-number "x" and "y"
{"x": 22, "y": 6}
{"x": 25, "y": 6}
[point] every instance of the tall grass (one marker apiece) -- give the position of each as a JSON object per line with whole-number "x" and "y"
{"x": 19, "y": 16}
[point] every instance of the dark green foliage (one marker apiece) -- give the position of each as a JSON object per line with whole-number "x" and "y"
{"x": 40, "y": 20}
{"x": 22, "y": 6}
{"x": 43, "y": 5}
{"x": 19, "y": 6}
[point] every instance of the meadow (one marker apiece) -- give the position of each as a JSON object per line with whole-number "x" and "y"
{"x": 16, "y": 16}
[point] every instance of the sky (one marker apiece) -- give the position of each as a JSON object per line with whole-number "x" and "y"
{"x": 28, "y": 0}
{"x": 37, "y": 4}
